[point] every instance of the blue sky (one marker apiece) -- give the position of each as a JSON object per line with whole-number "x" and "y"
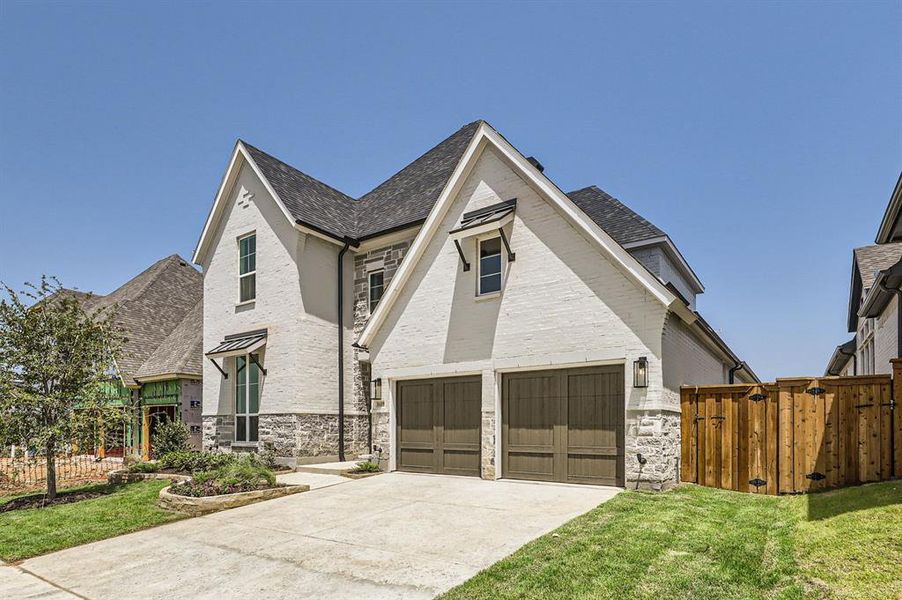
{"x": 765, "y": 139}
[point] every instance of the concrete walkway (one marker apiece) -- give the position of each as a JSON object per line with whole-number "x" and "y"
{"x": 396, "y": 535}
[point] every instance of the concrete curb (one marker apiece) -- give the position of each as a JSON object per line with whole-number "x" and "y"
{"x": 210, "y": 504}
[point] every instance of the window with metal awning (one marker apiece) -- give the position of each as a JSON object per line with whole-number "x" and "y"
{"x": 483, "y": 221}
{"x": 239, "y": 344}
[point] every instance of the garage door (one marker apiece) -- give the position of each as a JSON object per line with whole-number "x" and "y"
{"x": 564, "y": 425}
{"x": 439, "y": 425}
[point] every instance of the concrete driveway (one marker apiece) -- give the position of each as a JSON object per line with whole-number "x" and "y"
{"x": 396, "y": 535}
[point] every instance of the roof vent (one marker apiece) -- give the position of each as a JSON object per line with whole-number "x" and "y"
{"x": 535, "y": 162}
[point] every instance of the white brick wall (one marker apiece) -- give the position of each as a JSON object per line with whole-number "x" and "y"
{"x": 687, "y": 360}
{"x": 296, "y": 297}
{"x": 886, "y": 343}
{"x": 564, "y": 302}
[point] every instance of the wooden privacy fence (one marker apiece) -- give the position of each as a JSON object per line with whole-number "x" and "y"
{"x": 794, "y": 435}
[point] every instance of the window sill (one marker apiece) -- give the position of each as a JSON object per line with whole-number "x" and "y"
{"x": 490, "y": 296}
{"x": 245, "y": 303}
{"x": 244, "y": 444}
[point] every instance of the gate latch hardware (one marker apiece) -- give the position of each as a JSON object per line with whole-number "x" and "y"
{"x": 697, "y": 419}
{"x": 718, "y": 418}
{"x": 815, "y": 476}
{"x": 816, "y": 391}
{"x": 757, "y": 482}
{"x": 757, "y": 397}
{"x": 863, "y": 405}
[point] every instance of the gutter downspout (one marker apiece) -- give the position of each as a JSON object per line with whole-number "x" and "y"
{"x": 854, "y": 358}
{"x": 898, "y": 294}
{"x": 732, "y": 375}
{"x": 341, "y": 350}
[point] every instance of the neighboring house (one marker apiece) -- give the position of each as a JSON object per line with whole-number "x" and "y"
{"x": 873, "y": 314}
{"x": 158, "y": 367}
{"x": 464, "y": 317}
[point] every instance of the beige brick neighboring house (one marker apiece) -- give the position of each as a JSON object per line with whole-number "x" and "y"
{"x": 491, "y": 325}
{"x": 873, "y": 314}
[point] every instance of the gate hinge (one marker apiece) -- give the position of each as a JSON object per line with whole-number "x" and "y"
{"x": 757, "y": 397}
{"x": 757, "y": 482}
{"x": 816, "y": 391}
{"x": 891, "y": 404}
{"x": 815, "y": 476}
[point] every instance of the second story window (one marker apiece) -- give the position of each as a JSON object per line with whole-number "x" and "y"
{"x": 489, "y": 266}
{"x": 247, "y": 267}
{"x": 377, "y": 286}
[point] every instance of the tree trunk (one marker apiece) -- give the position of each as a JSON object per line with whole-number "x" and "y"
{"x": 51, "y": 473}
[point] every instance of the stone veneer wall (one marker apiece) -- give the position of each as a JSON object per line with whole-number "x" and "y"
{"x": 655, "y": 435}
{"x": 294, "y": 435}
{"x": 387, "y": 259}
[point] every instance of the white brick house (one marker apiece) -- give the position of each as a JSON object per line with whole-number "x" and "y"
{"x": 491, "y": 325}
{"x": 873, "y": 316}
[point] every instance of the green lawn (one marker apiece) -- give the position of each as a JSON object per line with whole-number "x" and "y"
{"x": 26, "y": 533}
{"x": 696, "y": 542}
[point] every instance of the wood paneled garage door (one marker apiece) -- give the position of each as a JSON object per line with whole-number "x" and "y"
{"x": 564, "y": 425}
{"x": 439, "y": 425}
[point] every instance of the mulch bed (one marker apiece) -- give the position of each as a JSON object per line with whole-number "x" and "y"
{"x": 40, "y": 500}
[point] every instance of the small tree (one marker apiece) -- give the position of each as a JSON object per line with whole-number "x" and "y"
{"x": 54, "y": 357}
{"x": 170, "y": 436}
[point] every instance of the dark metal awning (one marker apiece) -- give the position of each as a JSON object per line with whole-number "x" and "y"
{"x": 485, "y": 216}
{"x": 239, "y": 343}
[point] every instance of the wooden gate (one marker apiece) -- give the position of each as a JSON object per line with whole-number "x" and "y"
{"x": 795, "y": 435}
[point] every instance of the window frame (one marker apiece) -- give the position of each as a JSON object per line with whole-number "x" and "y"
{"x": 247, "y": 414}
{"x": 369, "y": 289}
{"x": 503, "y": 265}
{"x": 867, "y": 356}
{"x": 253, "y": 273}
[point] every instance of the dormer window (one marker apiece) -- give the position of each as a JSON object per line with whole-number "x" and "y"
{"x": 490, "y": 266}
{"x": 247, "y": 268}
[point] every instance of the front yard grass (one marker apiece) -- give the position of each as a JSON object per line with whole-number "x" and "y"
{"x": 30, "y": 532}
{"x": 695, "y": 542}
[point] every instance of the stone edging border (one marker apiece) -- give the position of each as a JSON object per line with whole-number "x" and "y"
{"x": 202, "y": 506}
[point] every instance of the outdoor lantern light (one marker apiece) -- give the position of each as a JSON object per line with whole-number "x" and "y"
{"x": 376, "y": 391}
{"x": 640, "y": 372}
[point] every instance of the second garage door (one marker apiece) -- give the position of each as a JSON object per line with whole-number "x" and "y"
{"x": 439, "y": 425}
{"x": 564, "y": 425}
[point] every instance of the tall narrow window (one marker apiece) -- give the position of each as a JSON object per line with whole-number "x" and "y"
{"x": 247, "y": 267}
{"x": 247, "y": 398}
{"x": 377, "y": 286}
{"x": 489, "y": 266}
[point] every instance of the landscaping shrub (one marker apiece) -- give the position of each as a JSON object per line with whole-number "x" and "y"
{"x": 143, "y": 467}
{"x": 244, "y": 474}
{"x": 170, "y": 436}
{"x": 366, "y": 467}
{"x": 191, "y": 461}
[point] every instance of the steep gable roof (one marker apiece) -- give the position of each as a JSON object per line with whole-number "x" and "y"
{"x": 309, "y": 200}
{"x": 866, "y": 263}
{"x": 621, "y": 222}
{"x": 149, "y": 307}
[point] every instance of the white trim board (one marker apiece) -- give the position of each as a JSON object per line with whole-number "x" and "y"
{"x": 483, "y": 137}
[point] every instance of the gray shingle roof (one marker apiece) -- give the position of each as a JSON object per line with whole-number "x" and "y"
{"x": 182, "y": 350}
{"x": 407, "y": 196}
{"x": 620, "y": 222}
{"x": 149, "y": 308}
{"x": 871, "y": 259}
{"x": 307, "y": 199}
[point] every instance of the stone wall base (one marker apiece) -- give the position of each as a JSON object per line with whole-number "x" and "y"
{"x": 292, "y": 436}
{"x": 656, "y": 436}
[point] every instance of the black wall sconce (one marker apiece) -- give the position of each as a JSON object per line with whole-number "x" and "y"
{"x": 640, "y": 372}
{"x": 376, "y": 389}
